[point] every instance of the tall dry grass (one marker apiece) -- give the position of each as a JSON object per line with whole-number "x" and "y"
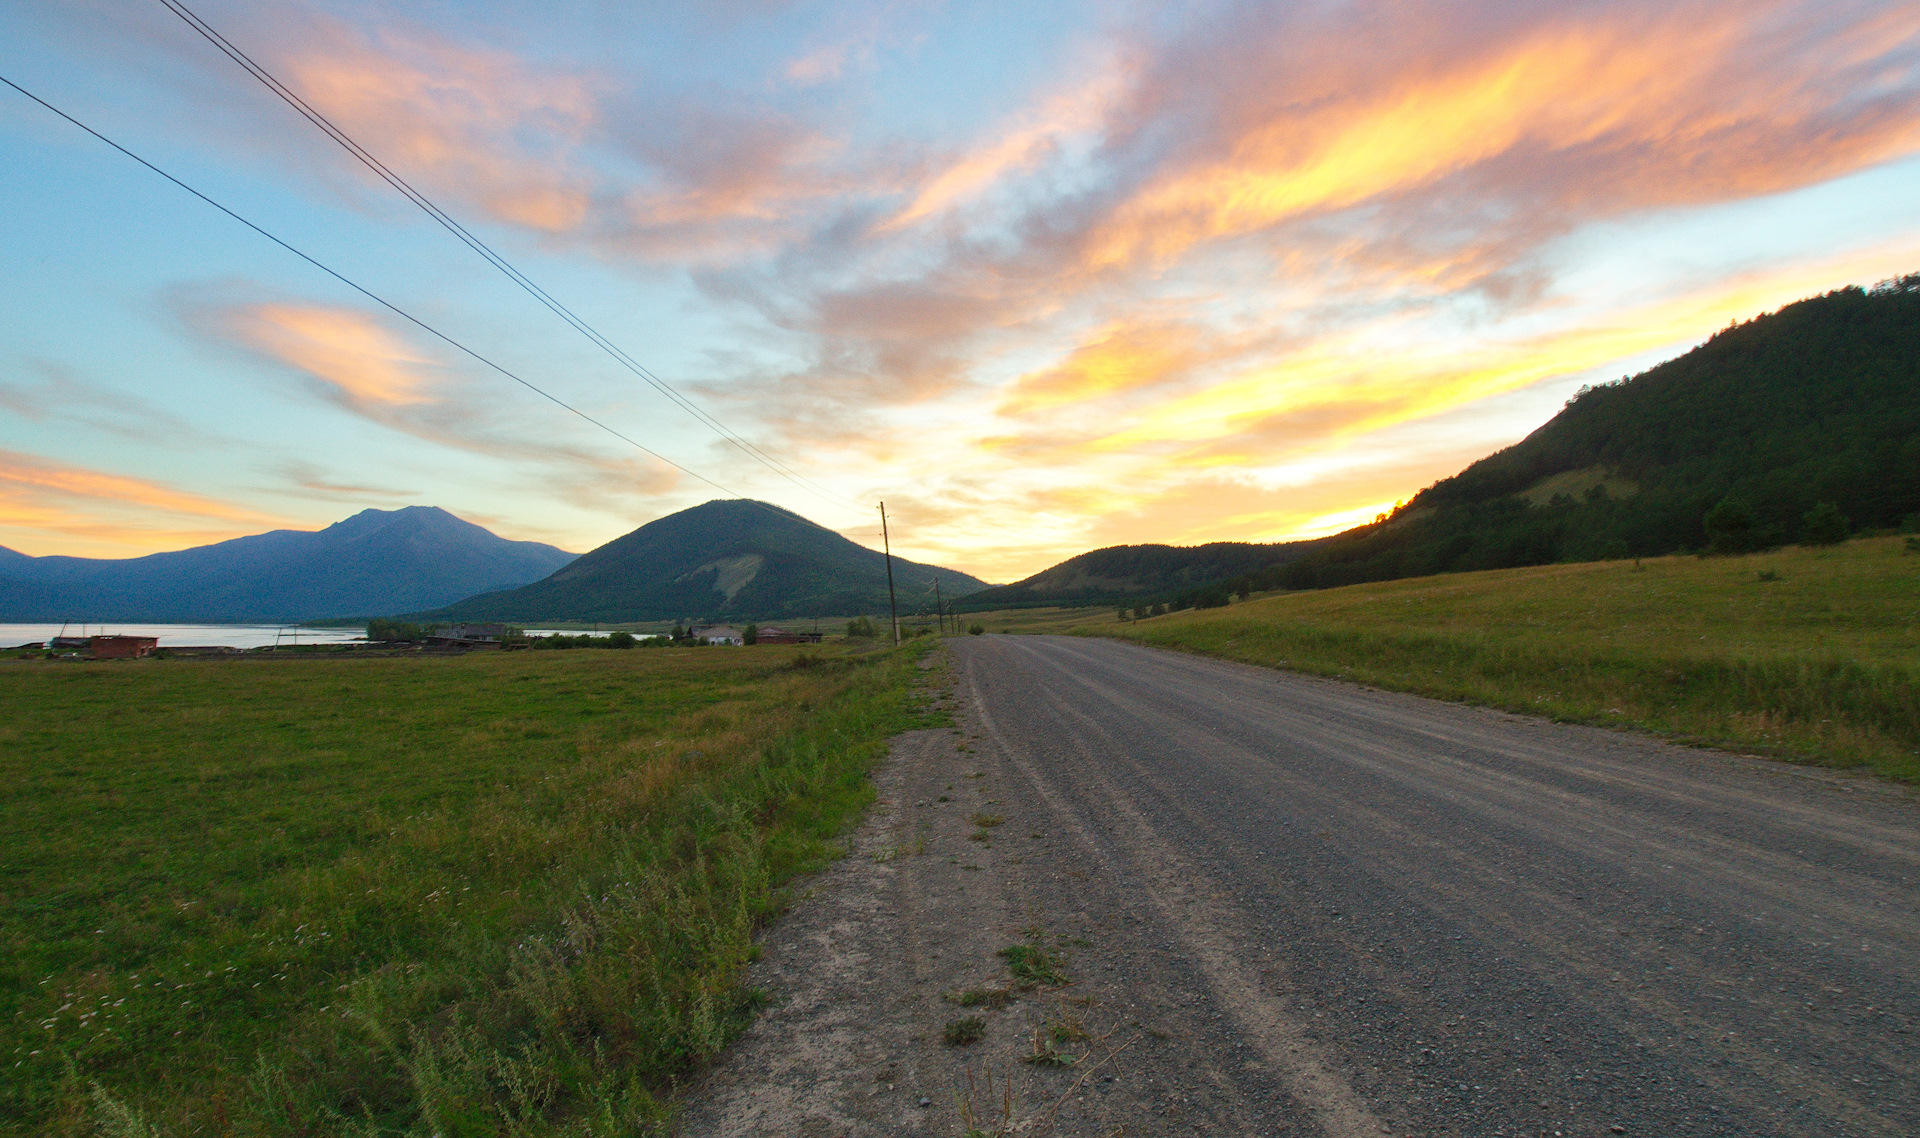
{"x": 1808, "y": 655}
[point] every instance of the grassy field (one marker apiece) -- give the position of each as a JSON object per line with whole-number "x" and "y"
{"x": 1041, "y": 619}
{"x": 1808, "y": 654}
{"x": 493, "y": 894}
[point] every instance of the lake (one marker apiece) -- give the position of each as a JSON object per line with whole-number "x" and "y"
{"x": 182, "y": 635}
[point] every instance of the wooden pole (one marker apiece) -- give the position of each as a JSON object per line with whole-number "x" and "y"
{"x": 893, "y": 606}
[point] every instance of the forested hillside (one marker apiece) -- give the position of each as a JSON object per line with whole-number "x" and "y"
{"x": 1775, "y": 426}
{"x": 1126, "y": 573}
{"x": 725, "y": 560}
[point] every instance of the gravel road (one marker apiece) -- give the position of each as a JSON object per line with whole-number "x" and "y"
{"x": 1287, "y": 905}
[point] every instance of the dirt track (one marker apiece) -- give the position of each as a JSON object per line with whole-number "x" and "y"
{"x": 1295, "y": 906}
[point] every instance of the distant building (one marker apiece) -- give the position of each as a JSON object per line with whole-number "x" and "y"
{"x": 461, "y": 642}
{"x": 474, "y": 631}
{"x": 122, "y": 647}
{"x": 720, "y": 634}
{"x": 772, "y": 635}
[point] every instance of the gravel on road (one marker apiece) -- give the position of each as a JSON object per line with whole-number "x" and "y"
{"x": 1267, "y": 903}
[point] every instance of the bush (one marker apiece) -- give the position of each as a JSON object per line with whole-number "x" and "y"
{"x": 621, "y": 640}
{"x": 860, "y": 626}
{"x": 976, "y": 629}
{"x": 1823, "y": 525}
{"x": 1731, "y": 527}
{"x": 750, "y": 634}
{"x": 392, "y": 630}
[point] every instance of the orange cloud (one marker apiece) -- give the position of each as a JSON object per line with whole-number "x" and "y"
{"x": 1021, "y": 146}
{"x": 97, "y": 513}
{"x": 1681, "y": 110}
{"x": 455, "y": 117}
{"x": 1343, "y": 386}
{"x": 1123, "y": 358}
{"x": 353, "y": 356}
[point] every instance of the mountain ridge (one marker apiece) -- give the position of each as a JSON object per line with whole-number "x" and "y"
{"x": 372, "y": 562}
{"x": 1816, "y": 402}
{"x": 1125, "y": 573}
{"x": 734, "y": 559}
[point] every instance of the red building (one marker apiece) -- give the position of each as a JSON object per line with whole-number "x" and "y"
{"x": 122, "y": 647}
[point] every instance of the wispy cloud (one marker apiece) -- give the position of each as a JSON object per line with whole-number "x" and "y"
{"x": 44, "y": 501}
{"x": 365, "y": 366}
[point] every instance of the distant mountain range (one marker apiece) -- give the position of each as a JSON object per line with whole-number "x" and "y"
{"x": 1816, "y": 403}
{"x": 1129, "y": 573}
{"x": 373, "y": 563}
{"x": 735, "y": 560}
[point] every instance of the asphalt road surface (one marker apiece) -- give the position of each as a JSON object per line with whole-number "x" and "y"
{"x": 1310, "y": 907}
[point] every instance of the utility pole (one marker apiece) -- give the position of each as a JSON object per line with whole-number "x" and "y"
{"x": 939, "y": 607}
{"x": 887, "y": 544}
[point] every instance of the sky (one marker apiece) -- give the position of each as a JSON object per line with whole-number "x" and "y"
{"x": 1042, "y": 277}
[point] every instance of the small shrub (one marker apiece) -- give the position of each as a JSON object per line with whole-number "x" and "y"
{"x": 976, "y": 629}
{"x": 1768, "y": 575}
{"x": 965, "y": 1031}
{"x": 860, "y": 626}
{"x": 1823, "y": 525}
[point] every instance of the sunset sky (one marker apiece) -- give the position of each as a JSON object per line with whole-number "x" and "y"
{"x": 1046, "y": 277}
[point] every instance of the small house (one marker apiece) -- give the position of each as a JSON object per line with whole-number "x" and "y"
{"x": 474, "y": 631}
{"x": 122, "y": 647}
{"x": 720, "y": 634}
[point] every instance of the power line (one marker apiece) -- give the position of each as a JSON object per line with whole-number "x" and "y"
{"x": 383, "y": 302}
{"x": 406, "y": 189}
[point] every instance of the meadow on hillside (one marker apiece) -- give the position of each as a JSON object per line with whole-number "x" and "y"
{"x": 498, "y": 893}
{"x": 1810, "y": 654}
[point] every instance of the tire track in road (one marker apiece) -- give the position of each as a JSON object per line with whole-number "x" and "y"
{"x": 1291, "y": 905}
{"x": 1210, "y": 932}
{"x": 1575, "y": 858}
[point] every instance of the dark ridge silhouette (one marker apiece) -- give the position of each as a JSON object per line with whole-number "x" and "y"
{"x": 1128, "y": 574}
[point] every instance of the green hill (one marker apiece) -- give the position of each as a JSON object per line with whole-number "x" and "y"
{"x": 1127, "y": 573}
{"x": 734, "y": 560}
{"x": 1816, "y": 403}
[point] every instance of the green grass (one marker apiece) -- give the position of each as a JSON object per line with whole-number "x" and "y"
{"x": 492, "y": 894}
{"x": 965, "y": 1031}
{"x": 1817, "y": 663}
{"x": 1039, "y": 620}
{"x": 1032, "y": 965}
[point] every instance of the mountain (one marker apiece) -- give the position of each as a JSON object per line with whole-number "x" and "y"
{"x": 738, "y": 559}
{"x": 1122, "y": 573}
{"x": 1816, "y": 403}
{"x": 377, "y": 561}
